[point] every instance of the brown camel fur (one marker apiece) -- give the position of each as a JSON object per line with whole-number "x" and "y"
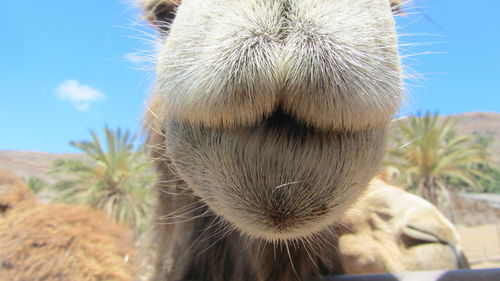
{"x": 14, "y": 192}
{"x": 57, "y": 242}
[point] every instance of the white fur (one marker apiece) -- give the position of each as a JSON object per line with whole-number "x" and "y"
{"x": 331, "y": 63}
{"x": 271, "y": 115}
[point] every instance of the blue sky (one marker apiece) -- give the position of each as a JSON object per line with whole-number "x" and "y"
{"x": 68, "y": 67}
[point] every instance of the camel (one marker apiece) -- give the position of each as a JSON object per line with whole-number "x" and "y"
{"x": 391, "y": 230}
{"x": 267, "y": 122}
{"x": 56, "y": 242}
{"x": 14, "y": 193}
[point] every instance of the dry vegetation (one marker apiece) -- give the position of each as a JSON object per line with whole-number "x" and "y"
{"x": 13, "y": 193}
{"x": 57, "y": 242}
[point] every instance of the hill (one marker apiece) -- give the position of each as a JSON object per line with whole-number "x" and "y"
{"x": 32, "y": 164}
{"x": 481, "y": 122}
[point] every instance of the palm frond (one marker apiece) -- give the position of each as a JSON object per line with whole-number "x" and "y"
{"x": 428, "y": 148}
{"x": 116, "y": 179}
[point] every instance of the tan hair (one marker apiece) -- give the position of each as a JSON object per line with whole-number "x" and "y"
{"x": 14, "y": 192}
{"x": 391, "y": 230}
{"x": 267, "y": 122}
{"x": 61, "y": 242}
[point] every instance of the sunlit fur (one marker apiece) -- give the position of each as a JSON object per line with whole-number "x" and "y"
{"x": 268, "y": 120}
{"x": 14, "y": 193}
{"x": 332, "y": 64}
{"x": 58, "y": 242}
{"x": 390, "y": 230}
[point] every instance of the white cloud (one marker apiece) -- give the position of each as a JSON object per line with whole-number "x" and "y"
{"x": 143, "y": 60}
{"x": 135, "y": 58}
{"x": 81, "y": 96}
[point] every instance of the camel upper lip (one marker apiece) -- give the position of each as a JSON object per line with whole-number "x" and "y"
{"x": 281, "y": 120}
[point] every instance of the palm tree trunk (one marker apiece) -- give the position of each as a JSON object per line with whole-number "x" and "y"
{"x": 428, "y": 190}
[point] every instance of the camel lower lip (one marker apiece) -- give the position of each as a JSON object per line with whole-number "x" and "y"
{"x": 236, "y": 172}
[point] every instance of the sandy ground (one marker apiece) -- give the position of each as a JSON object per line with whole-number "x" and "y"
{"x": 481, "y": 245}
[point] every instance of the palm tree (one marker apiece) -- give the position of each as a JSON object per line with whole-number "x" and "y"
{"x": 429, "y": 153}
{"x": 37, "y": 185}
{"x": 115, "y": 180}
{"x": 491, "y": 182}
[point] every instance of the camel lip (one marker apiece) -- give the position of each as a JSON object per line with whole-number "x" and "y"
{"x": 281, "y": 120}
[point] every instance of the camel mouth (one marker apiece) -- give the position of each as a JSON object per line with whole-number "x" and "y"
{"x": 280, "y": 120}
{"x": 280, "y": 179}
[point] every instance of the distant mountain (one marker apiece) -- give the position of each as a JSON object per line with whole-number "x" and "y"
{"x": 37, "y": 164}
{"x": 481, "y": 122}
{"x": 33, "y": 164}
